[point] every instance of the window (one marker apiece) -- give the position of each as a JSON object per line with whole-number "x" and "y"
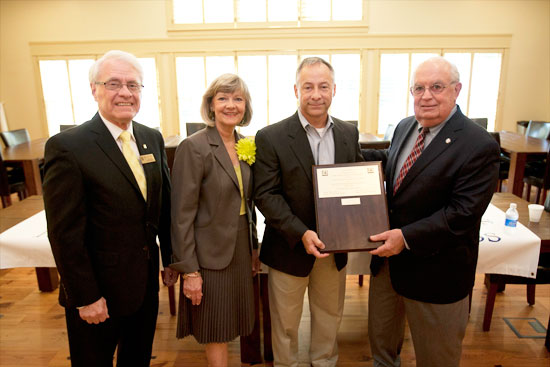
{"x": 270, "y": 80}
{"x": 479, "y": 75}
{"x": 68, "y": 98}
{"x": 253, "y": 11}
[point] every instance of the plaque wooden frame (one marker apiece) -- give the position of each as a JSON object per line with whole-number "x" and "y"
{"x": 347, "y": 228}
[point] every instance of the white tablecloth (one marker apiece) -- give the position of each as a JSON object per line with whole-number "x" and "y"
{"x": 500, "y": 251}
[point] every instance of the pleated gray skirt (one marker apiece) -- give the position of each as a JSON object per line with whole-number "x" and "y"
{"x": 226, "y": 310}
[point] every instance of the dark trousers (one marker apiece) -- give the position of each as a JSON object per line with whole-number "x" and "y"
{"x": 93, "y": 345}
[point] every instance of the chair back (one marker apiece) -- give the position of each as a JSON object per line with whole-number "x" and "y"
{"x": 538, "y": 129}
{"x": 65, "y": 127}
{"x": 481, "y": 121}
{"x": 388, "y": 135}
{"x": 193, "y": 127}
{"x": 4, "y": 184}
{"x": 15, "y": 137}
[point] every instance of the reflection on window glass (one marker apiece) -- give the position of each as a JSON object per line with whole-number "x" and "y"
{"x": 347, "y": 9}
{"x": 222, "y": 11}
{"x": 463, "y": 64}
{"x": 149, "y": 112}
{"x": 253, "y": 70}
{"x": 84, "y": 105}
{"x": 485, "y": 86}
{"x": 317, "y": 10}
{"x": 394, "y": 73}
{"x": 57, "y": 96}
{"x": 190, "y": 77}
{"x": 187, "y": 11}
{"x": 216, "y": 11}
{"x": 281, "y": 74}
{"x": 251, "y": 11}
{"x": 282, "y": 10}
{"x": 347, "y": 69}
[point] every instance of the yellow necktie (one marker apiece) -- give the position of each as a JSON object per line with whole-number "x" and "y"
{"x": 133, "y": 162}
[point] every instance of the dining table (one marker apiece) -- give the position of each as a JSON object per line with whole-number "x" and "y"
{"x": 30, "y": 155}
{"x": 520, "y": 148}
{"x": 18, "y": 212}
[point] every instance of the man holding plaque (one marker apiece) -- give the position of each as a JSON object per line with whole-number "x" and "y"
{"x": 286, "y": 152}
{"x": 441, "y": 172}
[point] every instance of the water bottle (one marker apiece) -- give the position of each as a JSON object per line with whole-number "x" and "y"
{"x": 511, "y": 216}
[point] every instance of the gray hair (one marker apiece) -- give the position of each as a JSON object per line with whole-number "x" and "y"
{"x": 451, "y": 68}
{"x": 225, "y": 83}
{"x": 115, "y": 55}
{"x": 308, "y": 61}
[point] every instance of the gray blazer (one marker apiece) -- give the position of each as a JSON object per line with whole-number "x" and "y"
{"x": 206, "y": 201}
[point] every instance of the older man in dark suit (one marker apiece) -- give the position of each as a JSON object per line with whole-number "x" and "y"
{"x": 440, "y": 176}
{"x": 107, "y": 198}
{"x": 286, "y": 152}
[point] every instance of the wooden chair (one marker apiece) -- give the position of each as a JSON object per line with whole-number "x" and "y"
{"x": 15, "y": 137}
{"x": 11, "y": 183}
{"x": 538, "y": 174}
{"x": 193, "y": 127}
{"x": 481, "y": 121}
{"x": 504, "y": 166}
{"x": 494, "y": 282}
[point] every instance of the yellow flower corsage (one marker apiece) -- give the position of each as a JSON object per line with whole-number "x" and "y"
{"x": 246, "y": 150}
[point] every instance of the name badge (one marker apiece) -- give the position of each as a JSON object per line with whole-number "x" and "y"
{"x": 147, "y": 158}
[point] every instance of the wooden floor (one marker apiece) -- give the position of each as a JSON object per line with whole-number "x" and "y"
{"x": 32, "y": 329}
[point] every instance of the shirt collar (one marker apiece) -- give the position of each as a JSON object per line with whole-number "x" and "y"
{"x": 434, "y": 130}
{"x": 306, "y": 123}
{"x": 115, "y": 130}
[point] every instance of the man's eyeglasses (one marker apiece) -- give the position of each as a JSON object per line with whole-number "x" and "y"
{"x": 436, "y": 88}
{"x": 115, "y": 85}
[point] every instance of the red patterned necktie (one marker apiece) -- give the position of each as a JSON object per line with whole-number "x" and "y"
{"x": 415, "y": 153}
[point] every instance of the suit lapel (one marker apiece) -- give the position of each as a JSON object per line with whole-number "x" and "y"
{"x": 299, "y": 144}
{"x": 145, "y": 147}
{"x": 443, "y": 140}
{"x": 397, "y": 144}
{"x": 245, "y": 173}
{"x": 218, "y": 148}
{"x": 340, "y": 143}
{"x": 109, "y": 146}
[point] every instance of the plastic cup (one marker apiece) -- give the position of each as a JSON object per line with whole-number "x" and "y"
{"x": 535, "y": 212}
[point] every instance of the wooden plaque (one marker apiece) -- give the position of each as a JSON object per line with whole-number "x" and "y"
{"x": 350, "y": 205}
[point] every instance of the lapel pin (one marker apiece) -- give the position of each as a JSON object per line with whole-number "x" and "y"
{"x": 448, "y": 141}
{"x": 144, "y": 146}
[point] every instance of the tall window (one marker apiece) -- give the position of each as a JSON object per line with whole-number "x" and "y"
{"x": 479, "y": 75}
{"x": 250, "y": 11}
{"x": 68, "y": 98}
{"x": 270, "y": 80}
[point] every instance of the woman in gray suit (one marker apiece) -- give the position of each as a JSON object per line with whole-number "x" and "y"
{"x": 214, "y": 246}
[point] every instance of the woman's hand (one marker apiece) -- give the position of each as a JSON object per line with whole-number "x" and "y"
{"x": 192, "y": 289}
{"x": 255, "y": 263}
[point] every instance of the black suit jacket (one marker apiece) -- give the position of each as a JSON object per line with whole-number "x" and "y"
{"x": 102, "y": 232}
{"x": 284, "y": 190}
{"x": 438, "y": 207}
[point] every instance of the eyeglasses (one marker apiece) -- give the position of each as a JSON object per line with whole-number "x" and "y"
{"x": 116, "y": 85}
{"x": 436, "y": 88}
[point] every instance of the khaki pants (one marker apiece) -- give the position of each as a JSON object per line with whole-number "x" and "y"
{"x": 326, "y": 290}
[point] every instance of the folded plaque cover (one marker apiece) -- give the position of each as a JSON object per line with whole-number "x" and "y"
{"x": 350, "y": 205}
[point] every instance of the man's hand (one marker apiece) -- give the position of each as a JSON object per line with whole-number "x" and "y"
{"x": 312, "y": 243}
{"x": 394, "y": 243}
{"x": 95, "y": 313}
{"x": 170, "y": 277}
